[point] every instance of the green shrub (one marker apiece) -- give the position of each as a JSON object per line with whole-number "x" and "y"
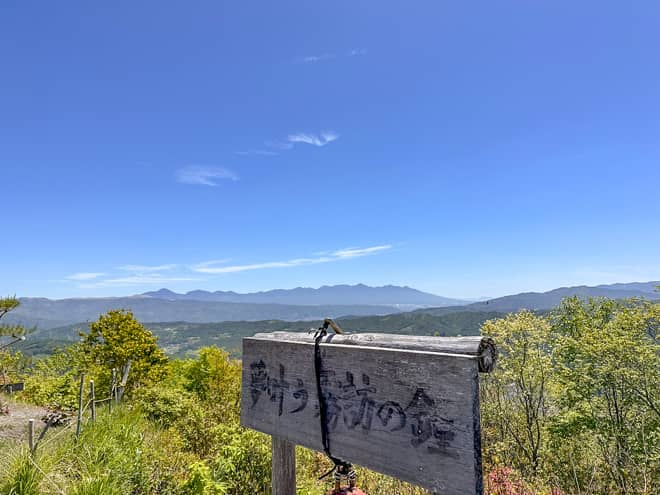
{"x": 52, "y": 381}
{"x": 165, "y": 406}
{"x": 200, "y": 482}
{"x": 216, "y": 379}
{"x": 243, "y": 462}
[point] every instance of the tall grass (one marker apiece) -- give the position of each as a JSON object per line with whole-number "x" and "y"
{"x": 121, "y": 453}
{"x": 21, "y": 475}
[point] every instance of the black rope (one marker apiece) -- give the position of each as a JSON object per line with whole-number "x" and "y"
{"x": 340, "y": 465}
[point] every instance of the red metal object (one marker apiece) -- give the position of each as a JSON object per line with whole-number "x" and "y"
{"x": 347, "y": 491}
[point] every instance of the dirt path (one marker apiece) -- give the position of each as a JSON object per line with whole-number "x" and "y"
{"x": 14, "y": 426}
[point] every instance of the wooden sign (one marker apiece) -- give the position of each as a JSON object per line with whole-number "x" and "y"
{"x": 401, "y": 405}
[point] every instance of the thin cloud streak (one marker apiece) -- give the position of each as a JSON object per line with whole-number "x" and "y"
{"x": 136, "y": 280}
{"x": 84, "y": 276}
{"x": 357, "y": 52}
{"x": 204, "y": 176}
{"x": 325, "y": 137}
{"x": 211, "y": 263}
{"x": 257, "y": 152}
{"x": 355, "y": 252}
{"x": 146, "y": 268}
{"x": 342, "y": 254}
{"x": 279, "y": 145}
{"x": 312, "y": 59}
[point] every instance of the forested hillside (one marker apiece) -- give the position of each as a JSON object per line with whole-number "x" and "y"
{"x": 572, "y": 408}
{"x": 182, "y": 338}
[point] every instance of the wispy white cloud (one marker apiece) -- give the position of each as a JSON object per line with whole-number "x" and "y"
{"x": 321, "y": 139}
{"x": 84, "y": 276}
{"x": 204, "y": 176}
{"x": 356, "y": 252}
{"x": 135, "y": 280}
{"x": 311, "y": 59}
{"x": 257, "y": 152}
{"x": 147, "y": 268}
{"x": 279, "y": 145}
{"x": 357, "y": 52}
{"x": 210, "y": 263}
{"x": 342, "y": 254}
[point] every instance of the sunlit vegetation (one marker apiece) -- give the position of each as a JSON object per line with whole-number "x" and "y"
{"x": 572, "y": 408}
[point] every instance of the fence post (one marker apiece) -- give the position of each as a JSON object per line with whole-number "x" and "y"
{"x": 92, "y": 398}
{"x": 284, "y": 467}
{"x": 124, "y": 379}
{"x": 31, "y": 435}
{"x": 81, "y": 391}
{"x": 113, "y": 389}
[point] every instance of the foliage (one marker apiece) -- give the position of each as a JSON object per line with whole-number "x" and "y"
{"x": 11, "y": 363}
{"x": 164, "y": 405}
{"x": 575, "y": 401}
{"x": 12, "y": 366}
{"x": 8, "y": 304}
{"x": 117, "y": 338}
{"x": 216, "y": 379}
{"x": 243, "y": 461}
{"x": 201, "y": 482}
{"x": 20, "y": 475}
{"x": 506, "y": 481}
{"x": 608, "y": 366}
{"x": 183, "y": 339}
{"x": 572, "y": 408}
{"x": 516, "y": 397}
{"x": 52, "y": 381}
{"x": 121, "y": 453}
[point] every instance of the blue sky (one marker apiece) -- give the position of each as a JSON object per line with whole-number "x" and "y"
{"x": 468, "y": 149}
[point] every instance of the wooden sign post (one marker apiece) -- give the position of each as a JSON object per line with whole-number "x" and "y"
{"x": 405, "y": 406}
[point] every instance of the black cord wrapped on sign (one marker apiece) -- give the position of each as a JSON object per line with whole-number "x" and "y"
{"x": 339, "y": 464}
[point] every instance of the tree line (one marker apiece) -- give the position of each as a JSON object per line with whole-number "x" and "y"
{"x": 572, "y": 408}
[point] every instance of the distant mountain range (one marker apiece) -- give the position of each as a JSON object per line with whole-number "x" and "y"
{"x": 550, "y": 299}
{"x": 179, "y": 338}
{"x": 301, "y": 304}
{"x": 47, "y": 313}
{"x": 360, "y": 294}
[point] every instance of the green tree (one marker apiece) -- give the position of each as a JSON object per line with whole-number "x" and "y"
{"x": 607, "y": 359}
{"x": 10, "y": 362}
{"x": 117, "y": 337}
{"x": 8, "y": 304}
{"x": 216, "y": 378}
{"x": 53, "y": 381}
{"x": 516, "y": 396}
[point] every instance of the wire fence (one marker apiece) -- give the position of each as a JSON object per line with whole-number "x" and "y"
{"x": 115, "y": 396}
{"x": 64, "y": 423}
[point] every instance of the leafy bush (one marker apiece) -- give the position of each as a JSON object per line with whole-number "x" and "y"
{"x": 52, "y": 381}
{"x": 165, "y": 406}
{"x": 116, "y": 338}
{"x": 200, "y": 482}
{"x": 243, "y": 463}
{"x": 216, "y": 379}
{"x": 572, "y": 408}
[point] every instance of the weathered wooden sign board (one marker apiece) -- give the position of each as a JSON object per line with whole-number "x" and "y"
{"x": 401, "y": 405}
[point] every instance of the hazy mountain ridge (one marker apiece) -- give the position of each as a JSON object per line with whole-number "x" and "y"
{"x": 360, "y": 294}
{"x": 179, "y": 338}
{"x": 166, "y": 306}
{"x": 550, "y": 299}
{"x": 47, "y": 313}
